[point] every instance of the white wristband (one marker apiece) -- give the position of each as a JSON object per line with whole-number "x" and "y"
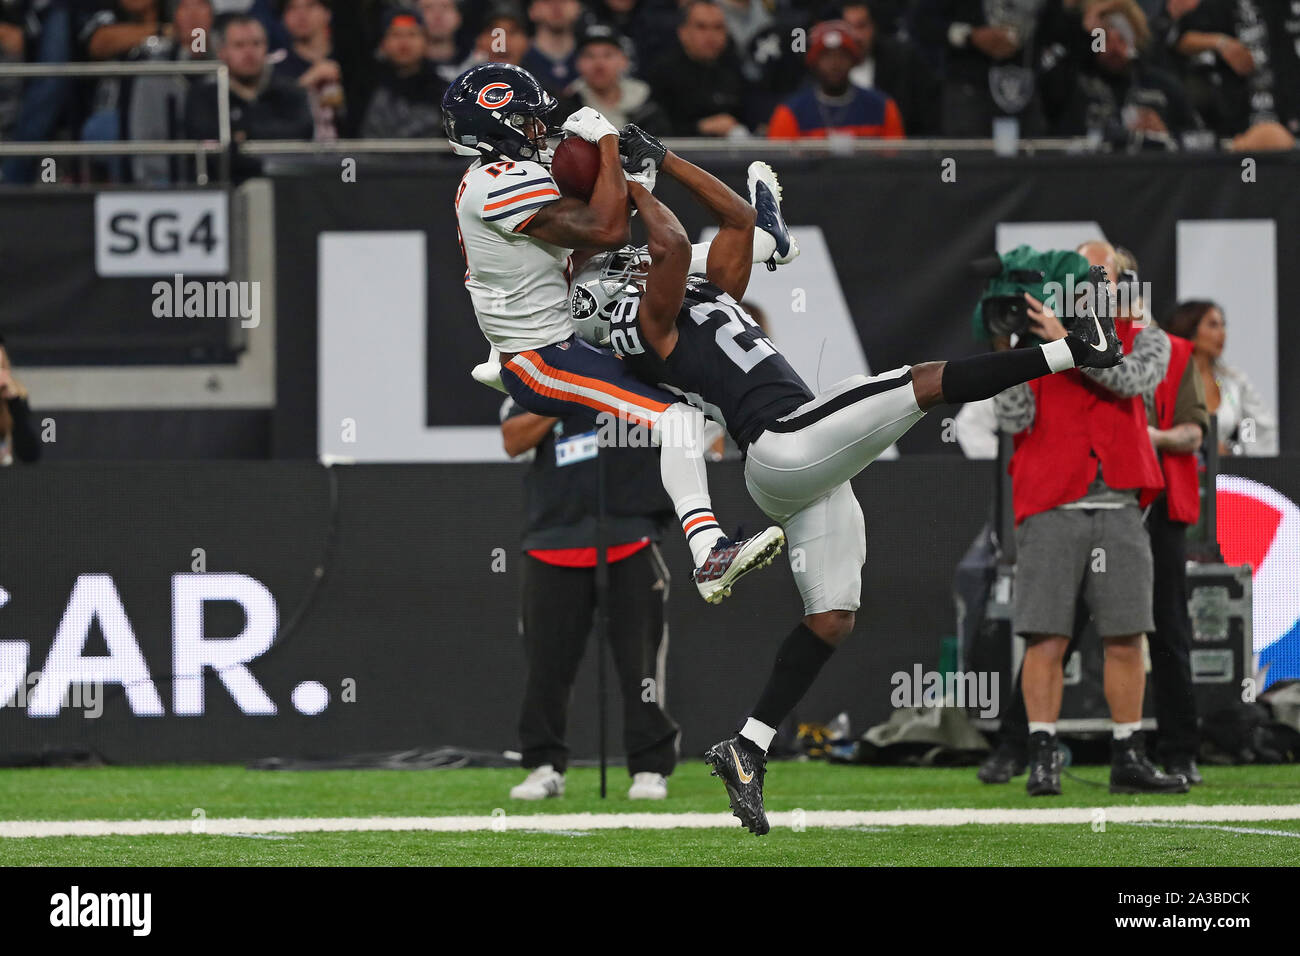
{"x": 1058, "y": 355}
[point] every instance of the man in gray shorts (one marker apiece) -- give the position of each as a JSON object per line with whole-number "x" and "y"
{"x": 1082, "y": 471}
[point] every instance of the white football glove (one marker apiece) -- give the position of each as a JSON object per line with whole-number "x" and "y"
{"x": 590, "y": 125}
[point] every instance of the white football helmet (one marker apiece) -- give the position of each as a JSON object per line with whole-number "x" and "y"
{"x": 606, "y": 279}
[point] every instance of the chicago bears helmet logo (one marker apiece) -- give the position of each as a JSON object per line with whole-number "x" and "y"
{"x": 495, "y": 95}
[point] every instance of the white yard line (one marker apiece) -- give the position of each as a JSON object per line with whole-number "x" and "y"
{"x": 551, "y": 822}
{"x": 1253, "y": 831}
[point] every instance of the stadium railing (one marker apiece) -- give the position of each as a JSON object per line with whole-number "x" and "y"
{"x": 437, "y": 146}
{"x": 201, "y": 149}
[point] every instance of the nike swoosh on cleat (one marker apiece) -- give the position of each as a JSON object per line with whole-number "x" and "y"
{"x": 1101, "y": 333}
{"x": 740, "y": 771}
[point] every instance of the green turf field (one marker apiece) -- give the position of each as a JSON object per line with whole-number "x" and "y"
{"x": 174, "y": 793}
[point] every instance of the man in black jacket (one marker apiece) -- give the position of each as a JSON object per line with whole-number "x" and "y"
{"x": 262, "y": 105}
{"x": 559, "y": 579}
{"x": 699, "y": 83}
{"x": 407, "y": 102}
{"x": 987, "y": 51}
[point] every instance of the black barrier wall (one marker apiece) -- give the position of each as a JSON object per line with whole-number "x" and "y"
{"x": 411, "y": 607}
{"x": 372, "y": 608}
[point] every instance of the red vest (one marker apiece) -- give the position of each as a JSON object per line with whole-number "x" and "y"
{"x": 1077, "y": 422}
{"x": 1182, "y": 484}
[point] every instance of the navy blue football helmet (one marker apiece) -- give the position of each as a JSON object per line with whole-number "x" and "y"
{"x": 487, "y": 111}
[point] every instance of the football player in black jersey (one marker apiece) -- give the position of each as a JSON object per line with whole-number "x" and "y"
{"x": 686, "y": 333}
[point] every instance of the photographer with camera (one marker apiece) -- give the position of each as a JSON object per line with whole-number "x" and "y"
{"x": 1177, "y": 420}
{"x": 1083, "y": 469}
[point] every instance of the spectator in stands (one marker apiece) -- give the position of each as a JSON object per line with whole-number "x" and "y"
{"x": 699, "y": 82}
{"x": 650, "y": 26}
{"x": 407, "y": 102}
{"x": 1284, "y": 60}
{"x": 552, "y": 56}
{"x": 832, "y": 106}
{"x": 745, "y": 20}
{"x": 441, "y": 21}
{"x": 1247, "y": 426}
{"x": 502, "y": 40}
{"x": 262, "y": 105}
{"x": 156, "y": 109}
{"x": 1113, "y": 92}
{"x": 1240, "y": 64}
{"x": 559, "y": 573}
{"x": 111, "y": 30}
{"x": 125, "y": 30}
{"x": 603, "y": 83}
{"x": 988, "y": 62}
{"x": 18, "y": 437}
{"x": 1222, "y": 47}
{"x": 47, "y": 33}
{"x": 309, "y": 61}
{"x": 893, "y": 67}
{"x": 264, "y": 12}
{"x": 13, "y": 49}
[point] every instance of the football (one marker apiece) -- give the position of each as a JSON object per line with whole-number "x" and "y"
{"x": 575, "y": 166}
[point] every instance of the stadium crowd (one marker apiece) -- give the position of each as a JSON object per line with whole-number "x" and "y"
{"x": 1127, "y": 74}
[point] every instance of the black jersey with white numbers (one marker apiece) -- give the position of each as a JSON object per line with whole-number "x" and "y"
{"x": 723, "y": 363}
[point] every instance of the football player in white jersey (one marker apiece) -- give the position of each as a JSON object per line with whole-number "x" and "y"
{"x": 518, "y": 234}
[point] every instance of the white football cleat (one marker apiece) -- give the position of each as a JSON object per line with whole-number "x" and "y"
{"x": 544, "y": 782}
{"x": 648, "y": 786}
{"x": 773, "y": 243}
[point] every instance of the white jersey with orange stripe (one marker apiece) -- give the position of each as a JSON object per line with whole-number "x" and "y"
{"x": 519, "y": 285}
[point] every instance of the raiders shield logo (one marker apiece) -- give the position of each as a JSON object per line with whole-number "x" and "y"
{"x": 1012, "y": 87}
{"x": 582, "y": 304}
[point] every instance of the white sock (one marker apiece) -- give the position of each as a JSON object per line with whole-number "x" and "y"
{"x": 1125, "y": 731}
{"x": 1043, "y": 726}
{"x": 764, "y": 246}
{"x": 1058, "y": 355}
{"x": 679, "y": 435}
{"x": 758, "y": 733}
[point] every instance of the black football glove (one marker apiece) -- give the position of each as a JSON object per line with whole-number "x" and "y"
{"x": 640, "y": 152}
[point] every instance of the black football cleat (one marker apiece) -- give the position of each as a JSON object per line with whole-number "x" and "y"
{"x": 1131, "y": 771}
{"x": 742, "y": 766}
{"x": 1095, "y": 328}
{"x": 765, "y": 197}
{"x": 1044, "y": 765}
{"x": 730, "y": 560}
{"x": 1184, "y": 767}
{"x": 1006, "y": 761}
